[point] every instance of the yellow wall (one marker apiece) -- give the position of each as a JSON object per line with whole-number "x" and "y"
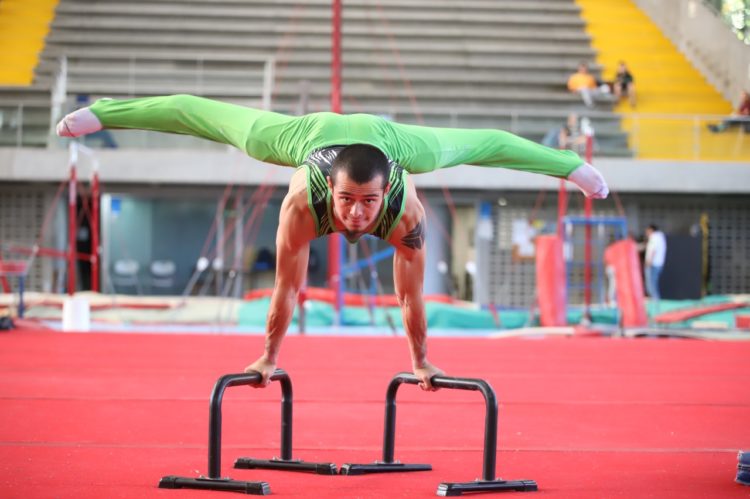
{"x": 23, "y": 26}
{"x": 666, "y": 83}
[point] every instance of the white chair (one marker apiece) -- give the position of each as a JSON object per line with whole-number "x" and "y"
{"x": 125, "y": 274}
{"x": 162, "y": 274}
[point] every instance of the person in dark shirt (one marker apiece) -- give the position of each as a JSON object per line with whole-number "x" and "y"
{"x": 624, "y": 84}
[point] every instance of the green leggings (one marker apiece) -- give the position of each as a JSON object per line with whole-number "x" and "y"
{"x": 288, "y": 140}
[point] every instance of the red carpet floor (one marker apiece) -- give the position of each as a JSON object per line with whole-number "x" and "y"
{"x": 107, "y": 415}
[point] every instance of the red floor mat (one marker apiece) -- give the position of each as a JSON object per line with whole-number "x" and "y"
{"x": 106, "y": 415}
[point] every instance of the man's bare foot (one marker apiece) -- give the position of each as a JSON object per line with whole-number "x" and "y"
{"x": 590, "y": 181}
{"x": 77, "y": 123}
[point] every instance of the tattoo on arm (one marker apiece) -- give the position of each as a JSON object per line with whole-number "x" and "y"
{"x": 415, "y": 238}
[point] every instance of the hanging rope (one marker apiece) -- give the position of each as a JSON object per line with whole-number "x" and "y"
{"x": 537, "y": 205}
{"x": 286, "y": 41}
{"x": 379, "y": 285}
{"x": 618, "y": 203}
{"x": 400, "y": 65}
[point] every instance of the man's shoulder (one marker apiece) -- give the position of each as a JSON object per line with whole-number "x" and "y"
{"x": 295, "y": 215}
{"x": 296, "y": 202}
{"x": 296, "y": 206}
{"x": 412, "y": 215}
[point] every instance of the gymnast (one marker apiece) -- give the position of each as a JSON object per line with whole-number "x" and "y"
{"x": 352, "y": 176}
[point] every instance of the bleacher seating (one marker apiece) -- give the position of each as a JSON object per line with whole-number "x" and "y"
{"x": 475, "y": 63}
{"x": 24, "y": 116}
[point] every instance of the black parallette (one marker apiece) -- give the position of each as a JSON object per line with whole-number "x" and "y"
{"x": 226, "y": 484}
{"x": 388, "y": 464}
{"x": 364, "y": 469}
{"x": 214, "y": 481}
{"x": 248, "y": 463}
{"x": 457, "y": 489}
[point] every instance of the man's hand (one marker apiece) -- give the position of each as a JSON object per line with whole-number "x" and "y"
{"x": 425, "y": 373}
{"x": 265, "y": 367}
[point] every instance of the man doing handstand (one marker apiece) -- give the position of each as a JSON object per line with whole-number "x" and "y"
{"x": 352, "y": 176}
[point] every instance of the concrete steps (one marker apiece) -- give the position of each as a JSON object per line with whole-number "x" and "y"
{"x": 474, "y": 58}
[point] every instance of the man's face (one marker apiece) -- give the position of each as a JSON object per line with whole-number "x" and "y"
{"x": 356, "y": 206}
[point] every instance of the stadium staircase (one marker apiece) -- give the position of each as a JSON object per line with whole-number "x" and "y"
{"x": 477, "y": 63}
{"x": 667, "y": 84}
{"x": 24, "y": 24}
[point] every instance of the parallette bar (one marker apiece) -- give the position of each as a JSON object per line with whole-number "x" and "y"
{"x": 225, "y": 484}
{"x": 379, "y": 467}
{"x": 214, "y": 480}
{"x": 248, "y": 463}
{"x": 457, "y": 489}
{"x": 488, "y": 483}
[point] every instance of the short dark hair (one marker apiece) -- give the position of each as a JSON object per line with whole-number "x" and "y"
{"x": 362, "y": 163}
{"x": 653, "y": 227}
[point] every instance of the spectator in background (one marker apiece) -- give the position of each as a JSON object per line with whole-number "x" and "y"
{"x": 741, "y": 115}
{"x": 656, "y": 252}
{"x": 624, "y": 84}
{"x": 584, "y": 84}
{"x": 568, "y": 136}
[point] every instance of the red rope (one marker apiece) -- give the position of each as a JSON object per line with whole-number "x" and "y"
{"x": 400, "y": 65}
{"x": 230, "y": 229}
{"x": 45, "y": 224}
{"x": 260, "y": 210}
{"x": 537, "y": 205}
{"x": 618, "y": 204}
{"x": 256, "y": 200}
{"x": 219, "y": 209}
{"x": 85, "y": 212}
{"x": 50, "y": 211}
{"x": 283, "y": 48}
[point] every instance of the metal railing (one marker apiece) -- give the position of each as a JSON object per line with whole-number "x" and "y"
{"x": 703, "y": 36}
{"x": 688, "y": 137}
{"x": 76, "y": 82}
{"x": 639, "y": 135}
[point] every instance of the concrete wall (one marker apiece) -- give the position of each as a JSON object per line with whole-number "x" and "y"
{"x": 174, "y": 167}
{"x": 706, "y": 40}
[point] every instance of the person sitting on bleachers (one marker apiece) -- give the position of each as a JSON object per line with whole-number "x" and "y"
{"x": 624, "y": 84}
{"x": 584, "y": 84}
{"x": 567, "y": 136}
{"x": 740, "y": 116}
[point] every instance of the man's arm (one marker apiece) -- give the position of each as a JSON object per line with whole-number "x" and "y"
{"x": 408, "y": 277}
{"x": 292, "y": 252}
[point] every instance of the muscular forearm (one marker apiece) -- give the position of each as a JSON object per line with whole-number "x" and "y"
{"x": 279, "y": 316}
{"x": 415, "y": 324}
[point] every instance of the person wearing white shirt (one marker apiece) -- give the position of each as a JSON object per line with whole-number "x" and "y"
{"x": 656, "y": 252}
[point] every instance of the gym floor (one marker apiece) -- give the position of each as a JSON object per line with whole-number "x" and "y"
{"x": 100, "y": 415}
